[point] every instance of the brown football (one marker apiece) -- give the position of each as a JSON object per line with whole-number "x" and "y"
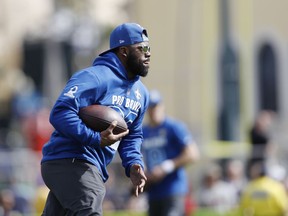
{"x": 99, "y": 117}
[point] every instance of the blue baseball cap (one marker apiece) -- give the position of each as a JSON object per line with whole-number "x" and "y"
{"x": 154, "y": 98}
{"x": 126, "y": 34}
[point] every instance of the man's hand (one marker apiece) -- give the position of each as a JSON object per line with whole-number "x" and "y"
{"x": 109, "y": 138}
{"x": 138, "y": 179}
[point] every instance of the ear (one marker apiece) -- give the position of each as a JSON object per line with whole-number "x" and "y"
{"x": 123, "y": 51}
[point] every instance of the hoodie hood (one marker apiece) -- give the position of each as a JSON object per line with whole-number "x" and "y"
{"x": 111, "y": 60}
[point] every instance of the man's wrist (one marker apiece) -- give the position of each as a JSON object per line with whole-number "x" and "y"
{"x": 168, "y": 166}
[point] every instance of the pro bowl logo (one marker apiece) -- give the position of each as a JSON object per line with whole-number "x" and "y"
{"x": 71, "y": 92}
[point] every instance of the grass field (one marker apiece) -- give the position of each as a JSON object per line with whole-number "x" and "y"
{"x": 199, "y": 212}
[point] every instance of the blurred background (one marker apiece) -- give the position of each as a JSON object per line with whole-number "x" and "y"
{"x": 217, "y": 63}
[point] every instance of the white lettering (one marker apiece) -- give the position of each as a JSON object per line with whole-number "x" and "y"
{"x": 129, "y": 103}
{"x": 117, "y": 99}
{"x": 133, "y": 105}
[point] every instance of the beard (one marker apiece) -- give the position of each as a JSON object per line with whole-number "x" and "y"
{"x": 136, "y": 66}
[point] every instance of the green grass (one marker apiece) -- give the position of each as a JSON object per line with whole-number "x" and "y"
{"x": 124, "y": 213}
{"x": 199, "y": 212}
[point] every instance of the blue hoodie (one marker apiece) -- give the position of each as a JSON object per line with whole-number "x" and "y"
{"x": 104, "y": 83}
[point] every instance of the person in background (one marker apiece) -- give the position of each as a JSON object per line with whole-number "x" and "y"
{"x": 215, "y": 193}
{"x": 235, "y": 174}
{"x": 263, "y": 195}
{"x": 260, "y": 138}
{"x": 75, "y": 159}
{"x": 167, "y": 148}
{"x": 7, "y": 203}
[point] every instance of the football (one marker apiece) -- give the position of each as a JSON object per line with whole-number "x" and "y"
{"x": 99, "y": 118}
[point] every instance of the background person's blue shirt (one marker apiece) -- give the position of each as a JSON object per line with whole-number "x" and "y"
{"x": 163, "y": 142}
